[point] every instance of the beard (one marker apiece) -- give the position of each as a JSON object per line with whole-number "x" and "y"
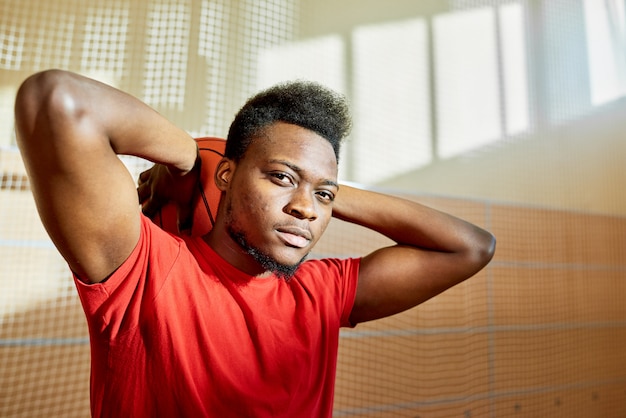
{"x": 267, "y": 262}
{"x": 282, "y": 271}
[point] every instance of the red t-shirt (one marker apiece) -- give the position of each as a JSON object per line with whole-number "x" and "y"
{"x": 176, "y": 331}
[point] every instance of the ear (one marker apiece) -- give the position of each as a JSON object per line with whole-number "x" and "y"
{"x": 223, "y": 173}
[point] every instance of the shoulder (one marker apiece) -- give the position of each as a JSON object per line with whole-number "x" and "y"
{"x": 155, "y": 251}
{"x": 330, "y": 266}
{"x": 340, "y": 274}
{"x": 158, "y": 258}
{"x": 332, "y": 282}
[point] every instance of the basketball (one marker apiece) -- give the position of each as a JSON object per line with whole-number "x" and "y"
{"x": 205, "y": 202}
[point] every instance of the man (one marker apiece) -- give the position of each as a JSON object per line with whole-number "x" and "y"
{"x": 233, "y": 323}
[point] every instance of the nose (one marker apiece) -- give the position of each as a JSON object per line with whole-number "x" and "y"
{"x": 302, "y": 205}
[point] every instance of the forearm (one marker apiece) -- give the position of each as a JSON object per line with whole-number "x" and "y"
{"x": 435, "y": 251}
{"x": 409, "y": 223}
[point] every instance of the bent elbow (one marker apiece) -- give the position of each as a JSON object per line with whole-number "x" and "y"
{"x": 43, "y": 98}
{"x": 484, "y": 249}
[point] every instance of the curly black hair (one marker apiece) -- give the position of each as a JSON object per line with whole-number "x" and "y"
{"x": 304, "y": 103}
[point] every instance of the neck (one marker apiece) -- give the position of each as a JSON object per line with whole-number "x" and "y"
{"x": 219, "y": 240}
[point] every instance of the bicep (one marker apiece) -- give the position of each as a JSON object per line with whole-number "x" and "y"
{"x": 397, "y": 278}
{"x": 84, "y": 194}
{"x": 91, "y": 213}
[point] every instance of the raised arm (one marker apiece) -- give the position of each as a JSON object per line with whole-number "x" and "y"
{"x": 434, "y": 252}
{"x": 70, "y": 130}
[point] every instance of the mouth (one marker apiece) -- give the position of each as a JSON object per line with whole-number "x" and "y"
{"x": 294, "y": 236}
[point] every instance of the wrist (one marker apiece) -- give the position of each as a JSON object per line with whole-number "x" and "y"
{"x": 188, "y": 165}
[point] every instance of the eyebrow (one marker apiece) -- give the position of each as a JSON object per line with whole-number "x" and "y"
{"x": 299, "y": 170}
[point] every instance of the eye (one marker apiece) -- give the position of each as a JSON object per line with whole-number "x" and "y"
{"x": 281, "y": 178}
{"x": 325, "y": 196}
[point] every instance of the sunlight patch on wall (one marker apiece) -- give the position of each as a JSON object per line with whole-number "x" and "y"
{"x": 269, "y": 24}
{"x": 104, "y": 42}
{"x": 514, "y": 67}
{"x": 167, "y": 54}
{"x": 606, "y": 44}
{"x": 213, "y": 46}
{"x": 52, "y": 46}
{"x": 320, "y": 59}
{"x": 468, "y": 101}
{"x": 7, "y": 99}
{"x": 392, "y": 130}
{"x": 12, "y": 47}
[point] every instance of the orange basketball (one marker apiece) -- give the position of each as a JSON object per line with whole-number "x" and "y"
{"x": 207, "y": 200}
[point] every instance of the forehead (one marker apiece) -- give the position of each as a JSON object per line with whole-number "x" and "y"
{"x": 299, "y": 146}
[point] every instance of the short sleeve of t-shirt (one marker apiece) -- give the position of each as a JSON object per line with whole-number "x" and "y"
{"x": 111, "y": 305}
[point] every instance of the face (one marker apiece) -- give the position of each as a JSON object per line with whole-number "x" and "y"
{"x": 278, "y": 199}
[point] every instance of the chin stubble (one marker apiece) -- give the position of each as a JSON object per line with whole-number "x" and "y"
{"x": 283, "y": 271}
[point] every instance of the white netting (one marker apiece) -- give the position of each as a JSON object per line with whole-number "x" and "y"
{"x": 511, "y": 108}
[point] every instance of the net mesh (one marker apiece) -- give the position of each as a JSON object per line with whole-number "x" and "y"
{"x": 503, "y": 112}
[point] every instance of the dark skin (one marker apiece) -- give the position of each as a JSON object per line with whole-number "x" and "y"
{"x": 281, "y": 195}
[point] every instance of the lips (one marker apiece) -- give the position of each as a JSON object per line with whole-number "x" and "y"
{"x": 294, "y": 236}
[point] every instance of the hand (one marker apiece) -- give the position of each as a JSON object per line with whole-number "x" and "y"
{"x": 158, "y": 187}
